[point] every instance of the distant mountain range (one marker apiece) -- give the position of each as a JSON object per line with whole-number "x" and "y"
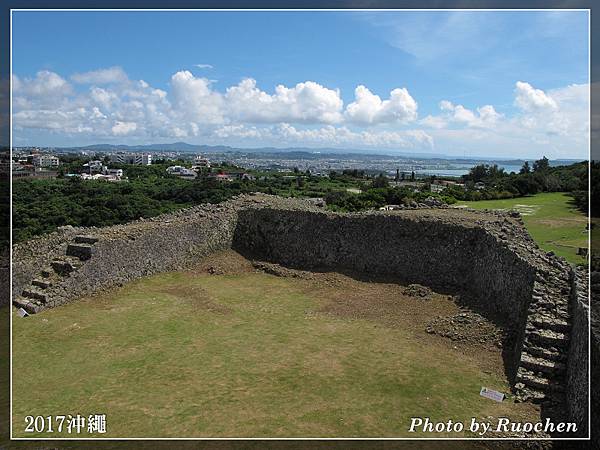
{"x": 302, "y": 152}
{"x": 197, "y": 148}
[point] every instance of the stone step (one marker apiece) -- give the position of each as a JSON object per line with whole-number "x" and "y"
{"x": 81, "y": 251}
{"x": 545, "y": 353}
{"x": 554, "y": 324}
{"x": 527, "y": 394}
{"x": 28, "y": 305}
{"x": 64, "y": 266}
{"x": 548, "y": 338}
{"x": 81, "y": 239}
{"x": 532, "y": 395}
{"x": 536, "y": 364}
{"x": 41, "y": 283}
{"x": 35, "y": 294}
{"x": 538, "y": 383}
{"x": 543, "y": 305}
{"x": 563, "y": 315}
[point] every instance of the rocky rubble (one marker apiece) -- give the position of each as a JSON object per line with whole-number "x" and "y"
{"x": 280, "y": 271}
{"x": 467, "y": 326}
{"x": 418, "y": 291}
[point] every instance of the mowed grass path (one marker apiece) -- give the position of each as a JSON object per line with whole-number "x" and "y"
{"x": 552, "y": 220}
{"x": 236, "y": 355}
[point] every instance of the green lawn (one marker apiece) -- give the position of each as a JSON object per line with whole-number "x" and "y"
{"x": 238, "y": 355}
{"x": 553, "y": 222}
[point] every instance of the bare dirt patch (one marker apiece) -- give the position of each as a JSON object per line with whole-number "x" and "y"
{"x": 435, "y": 319}
{"x": 195, "y": 296}
{"x": 467, "y": 326}
{"x": 226, "y": 262}
{"x": 560, "y": 223}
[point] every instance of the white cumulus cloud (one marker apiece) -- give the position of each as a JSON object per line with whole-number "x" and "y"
{"x": 123, "y": 128}
{"x": 530, "y": 99}
{"x": 101, "y": 76}
{"x": 45, "y": 85}
{"x": 307, "y": 102}
{"x": 485, "y": 116}
{"x": 368, "y": 108}
{"x": 107, "y": 104}
{"x": 194, "y": 99}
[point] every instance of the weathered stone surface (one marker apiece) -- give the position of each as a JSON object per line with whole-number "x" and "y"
{"x": 81, "y": 251}
{"x": 579, "y": 357}
{"x": 466, "y": 326}
{"x": 82, "y": 239}
{"x": 418, "y": 291}
{"x": 4, "y": 277}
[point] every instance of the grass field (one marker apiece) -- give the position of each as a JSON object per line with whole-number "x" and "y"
{"x": 247, "y": 354}
{"x": 552, "y": 220}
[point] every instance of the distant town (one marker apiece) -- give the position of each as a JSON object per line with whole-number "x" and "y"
{"x": 45, "y": 162}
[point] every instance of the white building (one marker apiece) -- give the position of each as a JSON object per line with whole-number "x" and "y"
{"x": 437, "y": 187}
{"x": 181, "y": 172}
{"x": 118, "y": 173}
{"x": 45, "y": 161}
{"x": 100, "y": 176}
{"x": 144, "y": 159}
{"x": 93, "y": 166}
{"x": 200, "y": 161}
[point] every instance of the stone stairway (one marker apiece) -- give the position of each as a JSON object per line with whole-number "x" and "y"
{"x": 38, "y": 295}
{"x": 542, "y": 368}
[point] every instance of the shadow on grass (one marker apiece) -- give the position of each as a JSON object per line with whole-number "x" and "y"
{"x": 512, "y": 336}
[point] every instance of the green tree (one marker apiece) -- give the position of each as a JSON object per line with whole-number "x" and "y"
{"x": 477, "y": 173}
{"x": 541, "y": 165}
{"x": 380, "y": 181}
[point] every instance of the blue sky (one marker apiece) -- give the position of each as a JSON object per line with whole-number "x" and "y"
{"x": 459, "y": 83}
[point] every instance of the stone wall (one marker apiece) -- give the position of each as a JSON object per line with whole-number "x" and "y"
{"x": 4, "y": 277}
{"x": 433, "y": 249}
{"x": 32, "y": 256}
{"x": 124, "y": 252}
{"x": 578, "y": 363}
{"x": 595, "y": 354}
{"x": 486, "y": 257}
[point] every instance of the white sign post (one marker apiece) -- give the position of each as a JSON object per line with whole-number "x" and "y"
{"x": 491, "y": 394}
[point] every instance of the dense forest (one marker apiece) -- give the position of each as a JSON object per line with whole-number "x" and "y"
{"x": 40, "y": 206}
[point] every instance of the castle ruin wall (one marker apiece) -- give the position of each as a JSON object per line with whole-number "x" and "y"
{"x": 578, "y": 363}
{"x": 411, "y": 249}
{"x": 126, "y": 252}
{"x": 486, "y": 257}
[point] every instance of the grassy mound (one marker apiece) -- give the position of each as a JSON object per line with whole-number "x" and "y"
{"x": 552, "y": 220}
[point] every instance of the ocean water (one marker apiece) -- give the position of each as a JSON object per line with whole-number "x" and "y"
{"x": 461, "y": 171}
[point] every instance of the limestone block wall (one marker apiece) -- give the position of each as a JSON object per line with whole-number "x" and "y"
{"x": 595, "y": 350}
{"x": 4, "y": 277}
{"x": 595, "y": 380}
{"x": 412, "y": 248}
{"x": 125, "y": 252}
{"x": 578, "y": 362}
{"x": 32, "y": 256}
{"x": 486, "y": 257}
